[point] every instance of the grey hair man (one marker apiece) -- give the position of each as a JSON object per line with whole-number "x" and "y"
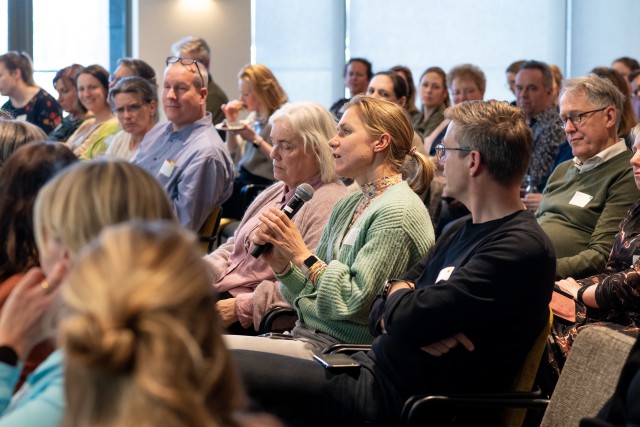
{"x": 586, "y": 197}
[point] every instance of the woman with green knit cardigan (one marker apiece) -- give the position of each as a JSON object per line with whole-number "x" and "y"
{"x": 371, "y": 235}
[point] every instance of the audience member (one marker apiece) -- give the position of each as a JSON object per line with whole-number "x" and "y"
{"x": 65, "y": 83}
{"x": 634, "y": 80}
{"x": 625, "y": 66}
{"x": 93, "y": 86}
{"x": 436, "y": 327}
{"x": 434, "y": 98}
{"x": 15, "y": 134}
{"x": 467, "y": 83}
{"x": 628, "y": 119}
{"x": 197, "y": 48}
{"x": 390, "y": 86}
{"x": 557, "y": 83}
{"x": 587, "y": 197}
{"x": 141, "y": 339}
{"x": 26, "y": 171}
{"x": 534, "y": 89}
{"x": 357, "y": 74}
{"x": 129, "y": 67}
{"x": 300, "y": 153}
{"x": 371, "y": 235}
{"x": 609, "y": 297}
{"x": 70, "y": 210}
{"x": 27, "y": 101}
{"x": 185, "y": 153}
{"x": 511, "y": 72}
{"x": 261, "y": 94}
{"x": 407, "y": 75}
{"x": 135, "y": 102}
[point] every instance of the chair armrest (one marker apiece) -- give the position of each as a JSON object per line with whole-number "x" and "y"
{"x": 275, "y": 314}
{"x": 346, "y": 348}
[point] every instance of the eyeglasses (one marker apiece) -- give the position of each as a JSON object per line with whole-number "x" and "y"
{"x": 576, "y": 118}
{"x": 186, "y": 61}
{"x": 441, "y": 151}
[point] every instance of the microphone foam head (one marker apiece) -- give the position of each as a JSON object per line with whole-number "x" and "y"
{"x": 304, "y": 191}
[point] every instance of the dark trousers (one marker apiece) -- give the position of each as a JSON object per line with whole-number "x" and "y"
{"x": 304, "y": 393}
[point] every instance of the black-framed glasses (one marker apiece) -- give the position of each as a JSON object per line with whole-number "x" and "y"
{"x": 577, "y": 118}
{"x": 186, "y": 61}
{"x": 441, "y": 151}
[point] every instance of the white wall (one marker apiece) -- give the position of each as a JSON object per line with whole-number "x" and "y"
{"x": 224, "y": 24}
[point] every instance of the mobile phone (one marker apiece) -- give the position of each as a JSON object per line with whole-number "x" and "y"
{"x": 277, "y": 336}
{"x": 336, "y": 361}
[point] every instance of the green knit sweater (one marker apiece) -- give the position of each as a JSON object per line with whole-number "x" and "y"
{"x": 583, "y": 236}
{"x": 391, "y": 235}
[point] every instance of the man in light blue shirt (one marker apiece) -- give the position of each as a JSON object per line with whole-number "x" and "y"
{"x": 186, "y": 153}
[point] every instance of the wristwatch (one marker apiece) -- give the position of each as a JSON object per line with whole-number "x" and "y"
{"x": 388, "y": 284}
{"x": 256, "y": 142}
{"x": 308, "y": 263}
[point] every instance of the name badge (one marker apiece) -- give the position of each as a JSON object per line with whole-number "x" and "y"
{"x": 167, "y": 168}
{"x": 351, "y": 236}
{"x": 445, "y": 273}
{"x": 580, "y": 199}
{"x": 635, "y": 259}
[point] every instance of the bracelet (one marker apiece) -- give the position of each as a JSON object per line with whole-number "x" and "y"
{"x": 581, "y": 292}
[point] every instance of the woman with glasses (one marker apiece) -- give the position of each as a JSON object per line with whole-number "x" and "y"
{"x": 92, "y": 83}
{"x": 65, "y": 83}
{"x": 135, "y": 102}
{"x": 261, "y": 95}
{"x": 27, "y": 101}
{"x": 372, "y": 235}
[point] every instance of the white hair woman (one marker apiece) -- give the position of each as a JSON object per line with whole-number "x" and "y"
{"x": 300, "y": 154}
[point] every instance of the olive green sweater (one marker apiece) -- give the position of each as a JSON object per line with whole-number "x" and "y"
{"x": 391, "y": 235}
{"x": 583, "y": 236}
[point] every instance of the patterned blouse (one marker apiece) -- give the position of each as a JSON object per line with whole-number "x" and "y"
{"x": 547, "y": 137}
{"x": 42, "y": 110}
{"x": 618, "y": 290}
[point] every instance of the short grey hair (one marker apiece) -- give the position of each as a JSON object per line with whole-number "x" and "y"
{"x": 196, "y": 45}
{"x": 315, "y": 126}
{"x": 600, "y": 93}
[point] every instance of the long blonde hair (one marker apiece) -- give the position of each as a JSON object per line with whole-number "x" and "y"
{"x": 142, "y": 340}
{"x": 265, "y": 86}
{"x": 83, "y": 200}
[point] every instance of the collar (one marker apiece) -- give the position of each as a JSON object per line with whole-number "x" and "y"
{"x": 602, "y": 157}
{"x": 184, "y": 134}
{"x": 314, "y": 181}
{"x": 373, "y": 189}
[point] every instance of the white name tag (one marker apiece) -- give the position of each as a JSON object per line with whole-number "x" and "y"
{"x": 351, "y": 236}
{"x": 444, "y": 274}
{"x": 167, "y": 168}
{"x": 580, "y": 199}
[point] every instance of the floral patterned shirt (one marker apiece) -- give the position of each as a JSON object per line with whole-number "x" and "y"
{"x": 618, "y": 290}
{"x": 547, "y": 137}
{"x": 42, "y": 110}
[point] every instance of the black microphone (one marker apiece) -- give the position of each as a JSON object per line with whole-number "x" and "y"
{"x": 303, "y": 194}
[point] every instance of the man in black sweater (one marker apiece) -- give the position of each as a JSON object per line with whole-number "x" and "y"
{"x": 461, "y": 320}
